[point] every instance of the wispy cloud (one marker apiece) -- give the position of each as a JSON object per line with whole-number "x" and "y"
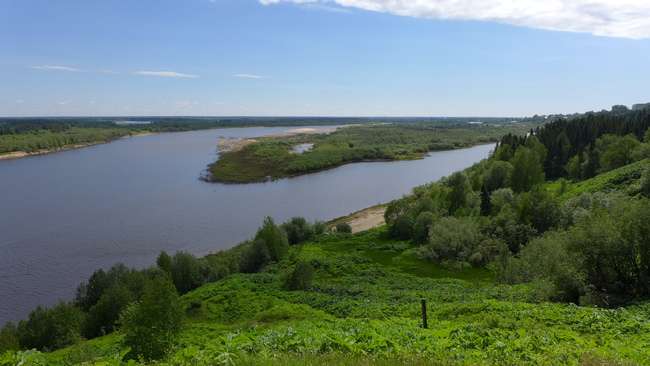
{"x": 166, "y": 74}
{"x": 611, "y": 18}
{"x": 55, "y": 68}
{"x": 249, "y": 76}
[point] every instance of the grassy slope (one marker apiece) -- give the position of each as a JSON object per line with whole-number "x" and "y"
{"x": 625, "y": 179}
{"x": 363, "y": 308}
{"x": 271, "y": 157}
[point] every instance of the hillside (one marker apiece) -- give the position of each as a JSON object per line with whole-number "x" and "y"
{"x": 515, "y": 269}
{"x": 364, "y": 306}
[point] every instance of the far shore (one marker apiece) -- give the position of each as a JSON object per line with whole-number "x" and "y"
{"x": 23, "y": 154}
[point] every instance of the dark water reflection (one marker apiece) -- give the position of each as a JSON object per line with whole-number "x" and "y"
{"x": 64, "y": 215}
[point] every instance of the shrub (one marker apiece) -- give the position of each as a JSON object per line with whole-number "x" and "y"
{"x": 150, "y": 327}
{"x": 50, "y": 329}
{"x": 452, "y": 238}
{"x": 103, "y": 316}
{"x": 421, "y": 228}
{"x": 319, "y": 228}
{"x": 402, "y": 228}
{"x": 9, "y": 338}
{"x": 301, "y": 277}
{"x": 344, "y": 228}
{"x": 547, "y": 259}
{"x": 274, "y": 238}
{"x": 255, "y": 256}
{"x": 645, "y": 183}
{"x": 298, "y": 230}
{"x": 185, "y": 272}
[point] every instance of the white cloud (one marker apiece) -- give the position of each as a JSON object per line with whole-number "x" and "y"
{"x": 248, "y": 76}
{"x": 612, "y": 18}
{"x": 55, "y": 68}
{"x": 166, "y": 74}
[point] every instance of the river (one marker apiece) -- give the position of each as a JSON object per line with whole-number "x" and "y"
{"x": 64, "y": 215}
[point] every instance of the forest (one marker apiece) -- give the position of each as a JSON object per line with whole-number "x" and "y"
{"x": 272, "y": 157}
{"x": 538, "y": 255}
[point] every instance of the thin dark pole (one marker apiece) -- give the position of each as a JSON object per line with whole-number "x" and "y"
{"x": 424, "y": 314}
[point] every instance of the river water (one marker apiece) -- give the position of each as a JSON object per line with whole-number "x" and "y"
{"x": 64, "y": 215}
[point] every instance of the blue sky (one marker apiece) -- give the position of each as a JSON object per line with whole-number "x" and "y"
{"x": 319, "y": 57}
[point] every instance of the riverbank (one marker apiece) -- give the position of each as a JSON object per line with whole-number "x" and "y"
{"x": 23, "y": 154}
{"x": 362, "y": 220}
{"x": 273, "y": 157}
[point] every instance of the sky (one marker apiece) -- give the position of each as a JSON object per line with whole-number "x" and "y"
{"x": 321, "y": 57}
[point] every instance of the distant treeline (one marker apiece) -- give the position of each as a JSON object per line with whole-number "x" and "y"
{"x": 163, "y": 124}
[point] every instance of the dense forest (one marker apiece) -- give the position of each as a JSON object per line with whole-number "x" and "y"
{"x": 274, "y": 158}
{"x": 538, "y": 255}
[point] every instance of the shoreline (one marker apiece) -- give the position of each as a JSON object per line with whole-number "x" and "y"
{"x": 23, "y": 154}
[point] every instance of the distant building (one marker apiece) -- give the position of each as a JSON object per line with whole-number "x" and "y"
{"x": 640, "y": 106}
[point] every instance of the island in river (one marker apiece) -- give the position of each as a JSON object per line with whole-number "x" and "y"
{"x": 276, "y": 157}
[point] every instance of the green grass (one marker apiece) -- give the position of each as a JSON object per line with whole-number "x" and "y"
{"x": 271, "y": 157}
{"x": 363, "y": 308}
{"x": 625, "y": 179}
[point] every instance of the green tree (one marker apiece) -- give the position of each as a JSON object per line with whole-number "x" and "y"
{"x": 255, "y": 256}
{"x": 274, "y": 238}
{"x": 164, "y": 262}
{"x": 51, "y": 329}
{"x": 616, "y": 151}
{"x": 301, "y": 277}
{"x": 344, "y": 228}
{"x": 421, "y": 228}
{"x": 460, "y": 188}
{"x": 9, "y": 338}
{"x": 527, "y": 170}
{"x": 298, "y": 230}
{"x": 151, "y": 326}
{"x": 497, "y": 175}
{"x": 104, "y": 315}
{"x": 186, "y": 272}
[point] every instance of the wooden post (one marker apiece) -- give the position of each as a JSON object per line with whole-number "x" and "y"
{"x": 424, "y": 314}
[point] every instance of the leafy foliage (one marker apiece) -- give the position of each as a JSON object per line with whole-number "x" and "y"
{"x": 151, "y": 325}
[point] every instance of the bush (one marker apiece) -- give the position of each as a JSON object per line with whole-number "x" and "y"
{"x": 455, "y": 239}
{"x": 9, "y": 338}
{"x": 274, "y": 238}
{"x": 150, "y": 327}
{"x": 298, "y": 230}
{"x": 104, "y": 315}
{"x": 301, "y": 277}
{"x": 402, "y": 228}
{"x": 51, "y": 329}
{"x": 645, "y": 183}
{"x": 547, "y": 259}
{"x": 421, "y": 228}
{"x": 185, "y": 272}
{"x": 255, "y": 256}
{"x": 343, "y": 228}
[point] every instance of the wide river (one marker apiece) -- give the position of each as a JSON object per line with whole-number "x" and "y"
{"x": 64, "y": 215}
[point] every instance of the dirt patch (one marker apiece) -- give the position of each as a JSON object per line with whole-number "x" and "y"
{"x": 363, "y": 220}
{"x": 233, "y": 144}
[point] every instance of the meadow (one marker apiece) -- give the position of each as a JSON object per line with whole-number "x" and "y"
{"x": 363, "y": 307}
